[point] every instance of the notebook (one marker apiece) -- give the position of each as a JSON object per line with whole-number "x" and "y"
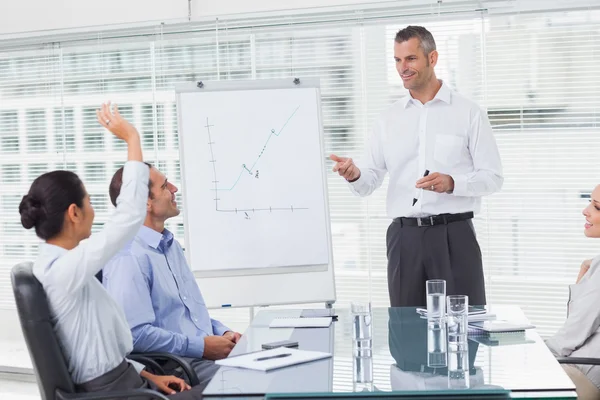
{"x": 502, "y": 339}
{"x": 497, "y": 327}
{"x": 272, "y": 359}
{"x": 300, "y": 322}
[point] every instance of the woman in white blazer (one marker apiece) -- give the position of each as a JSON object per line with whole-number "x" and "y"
{"x": 580, "y": 334}
{"x": 89, "y": 324}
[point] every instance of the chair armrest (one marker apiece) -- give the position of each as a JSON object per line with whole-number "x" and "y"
{"x": 185, "y": 366}
{"x": 578, "y": 360}
{"x": 152, "y": 365}
{"x": 147, "y": 393}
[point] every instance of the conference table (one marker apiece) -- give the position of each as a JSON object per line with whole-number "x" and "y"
{"x": 519, "y": 365}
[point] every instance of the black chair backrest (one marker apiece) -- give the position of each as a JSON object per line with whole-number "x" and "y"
{"x": 44, "y": 349}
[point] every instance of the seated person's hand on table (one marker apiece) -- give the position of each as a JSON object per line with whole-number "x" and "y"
{"x": 233, "y": 336}
{"x": 217, "y": 347}
{"x": 585, "y": 266}
{"x": 167, "y": 384}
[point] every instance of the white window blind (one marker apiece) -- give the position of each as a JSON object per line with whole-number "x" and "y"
{"x": 542, "y": 97}
{"x": 535, "y": 73}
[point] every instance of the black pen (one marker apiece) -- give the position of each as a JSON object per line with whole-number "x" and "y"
{"x": 424, "y": 175}
{"x": 272, "y": 357}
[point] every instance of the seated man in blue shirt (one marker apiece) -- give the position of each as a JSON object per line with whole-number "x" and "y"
{"x": 152, "y": 282}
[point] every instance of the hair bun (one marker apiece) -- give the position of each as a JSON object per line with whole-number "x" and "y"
{"x": 31, "y": 211}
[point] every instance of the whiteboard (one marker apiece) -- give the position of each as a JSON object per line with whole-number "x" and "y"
{"x": 257, "y": 226}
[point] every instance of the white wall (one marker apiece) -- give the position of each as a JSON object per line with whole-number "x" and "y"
{"x": 19, "y": 17}
{"x": 42, "y": 15}
{"x": 204, "y": 8}
{"x": 31, "y": 16}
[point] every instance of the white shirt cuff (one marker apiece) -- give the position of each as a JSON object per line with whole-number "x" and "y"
{"x": 460, "y": 185}
{"x": 358, "y": 185}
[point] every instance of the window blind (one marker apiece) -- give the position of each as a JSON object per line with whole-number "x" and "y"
{"x": 533, "y": 72}
{"x": 541, "y": 94}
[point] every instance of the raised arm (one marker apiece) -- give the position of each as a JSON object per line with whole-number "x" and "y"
{"x": 71, "y": 271}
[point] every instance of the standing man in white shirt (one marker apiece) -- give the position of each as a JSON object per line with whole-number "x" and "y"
{"x": 441, "y": 155}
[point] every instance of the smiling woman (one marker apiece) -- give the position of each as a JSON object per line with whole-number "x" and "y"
{"x": 592, "y": 215}
{"x": 578, "y": 335}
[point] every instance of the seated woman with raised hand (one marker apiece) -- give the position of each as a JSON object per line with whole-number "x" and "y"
{"x": 580, "y": 334}
{"x": 90, "y": 326}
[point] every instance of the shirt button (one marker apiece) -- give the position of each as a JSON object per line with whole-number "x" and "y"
{"x": 185, "y": 298}
{"x": 196, "y": 319}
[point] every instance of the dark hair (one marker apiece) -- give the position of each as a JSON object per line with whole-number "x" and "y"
{"x": 426, "y": 41}
{"x": 49, "y": 196}
{"x": 114, "y": 189}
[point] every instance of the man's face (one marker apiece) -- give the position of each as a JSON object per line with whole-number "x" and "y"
{"x": 415, "y": 68}
{"x": 162, "y": 205}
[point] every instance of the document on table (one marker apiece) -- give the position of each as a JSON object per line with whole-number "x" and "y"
{"x": 272, "y": 359}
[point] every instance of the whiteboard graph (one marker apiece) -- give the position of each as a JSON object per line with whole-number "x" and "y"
{"x": 254, "y": 189}
{"x": 246, "y": 170}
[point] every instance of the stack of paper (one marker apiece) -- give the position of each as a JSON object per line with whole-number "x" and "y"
{"x": 486, "y": 316}
{"x": 272, "y": 359}
{"x": 475, "y": 314}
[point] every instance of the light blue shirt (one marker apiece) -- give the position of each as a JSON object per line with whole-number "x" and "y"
{"x": 152, "y": 282}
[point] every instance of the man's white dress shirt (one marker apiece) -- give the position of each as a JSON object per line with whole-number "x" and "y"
{"x": 449, "y": 134}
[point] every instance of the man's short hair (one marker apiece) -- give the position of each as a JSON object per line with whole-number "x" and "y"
{"x": 114, "y": 190}
{"x": 426, "y": 41}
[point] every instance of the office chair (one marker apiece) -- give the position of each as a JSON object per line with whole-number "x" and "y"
{"x": 152, "y": 360}
{"x": 578, "y": 360}
{"x": 53, "y": 378}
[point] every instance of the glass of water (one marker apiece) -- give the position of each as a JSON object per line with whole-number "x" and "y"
{"x": 363, "y": 373}
{"x": 458, "y": 369}
{"x": 457, "y": 321}
{"x": 436, "y": 344}
{"x": 362, "y": 328}
{"x": 436, "y": 298}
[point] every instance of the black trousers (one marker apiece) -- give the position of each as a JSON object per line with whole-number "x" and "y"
{"x": 416, "y": 254}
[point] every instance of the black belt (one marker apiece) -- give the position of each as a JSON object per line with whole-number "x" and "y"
{"x": 434, "y": 219}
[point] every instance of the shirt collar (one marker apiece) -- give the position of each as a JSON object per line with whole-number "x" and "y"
{"x": 51, "y": 249}
{"x": 154, "y": 239}
{"x": 444, "y": 94}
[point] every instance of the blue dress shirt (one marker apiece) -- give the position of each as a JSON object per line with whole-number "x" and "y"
{"x": 152, "y": 282}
